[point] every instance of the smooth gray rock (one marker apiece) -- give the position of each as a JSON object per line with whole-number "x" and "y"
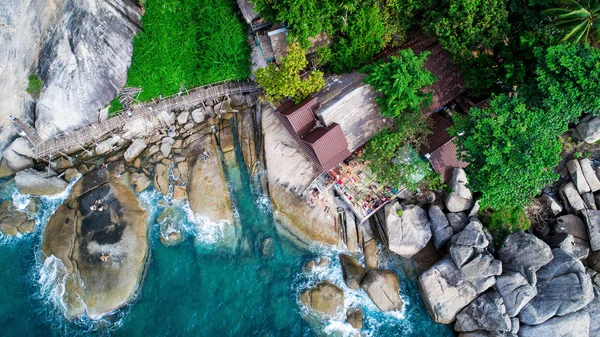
{"x": 70, "y": 174}
{"x": 571, "y": 198}
{"x": 108, "y": 145}
{"x": 592, "y": 221}
{"x": 572, "y": 224}
{"x": 182, "y": 118}
{"x": 515, "y": 290}
{"x": 445, "y": 291}
{"x": 593, "y": 309}
{"x": 61, "y": 163}
{"x": 567, "y": 243}
{"x": 198, "y": 115}
{"x": 18, "y": 155}
{"x": 440, "y": 227}
{"x": 481, "y": 266}
{"x": 153, "y": 149}
{"x": 486, "y": 312}
{"x": 460, "y": 197}
{"x": 553, "y": 204}
{"x": 576, "y": 324}
{"x": 589, "y": 129}
{"x": 577, "y": 176}
{"x": 34, "y": 182}
{"x": 467, "y": 244}
{"x": 353, "y": 271}
{"x": 166, "y": 145}
{"x": 458, "y": 221}
{"x": 588, "y": 199}
{"x": 134, "y": 150}
{"x": 589, "y": 174}
{"x": 161, "y": 178}
{"x": 409, "y": 233}
{"x": 563, "y": 287}
{"x": 383, "y": 288}
{"x": 475, "y": 210}
{"x": 524, "y": 253}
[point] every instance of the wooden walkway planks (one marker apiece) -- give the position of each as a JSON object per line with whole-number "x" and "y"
{"x": 44, "y": 149}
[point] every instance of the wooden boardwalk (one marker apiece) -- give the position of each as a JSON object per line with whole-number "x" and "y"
{"x": 140, "y": 113}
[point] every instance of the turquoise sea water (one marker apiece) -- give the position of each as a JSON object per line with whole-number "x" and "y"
{"x": 200, "y": 288}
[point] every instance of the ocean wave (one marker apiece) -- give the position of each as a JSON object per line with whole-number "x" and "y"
{"x": 52, "y": 281}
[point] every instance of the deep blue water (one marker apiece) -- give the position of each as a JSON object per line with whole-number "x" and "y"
{"x": 200, "y": 287}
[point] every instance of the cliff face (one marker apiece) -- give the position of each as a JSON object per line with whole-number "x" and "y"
{"x": 81, "y": 51}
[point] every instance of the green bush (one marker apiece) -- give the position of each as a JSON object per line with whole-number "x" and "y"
{"x": 504, "y": 222}
{"x": 188, "y": 43}
{"x": 114, "y": 107}
{"x": 399, "y": 212}
{"x": 34, "y": 86}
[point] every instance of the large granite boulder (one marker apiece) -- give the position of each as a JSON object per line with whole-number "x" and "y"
{"x": 354, "y": 317}
{"x": 134, "y": 150}
{"x": 17, "y": 156}
{"x": 440, "y": 227}
{"x": 324, "y": 298}
{"x": 34, "y": 182}
{"x": 139, "y": 181}
{"x": 485, "y": 313}
{"x": 383, "y": 288}
{"x": 577, "y": 176}
{"x": 460, "y": 197}
{"x": 99, "y": 234}
{"x": 458, "y": 221}
{"x": 409, "y": 231}
{"x": 593, "y": 308}
{"x": 445, "y": 291}
{"x": 572, "y": 224}
{"x": 576, "y": 324}
{"x": 524, "y": 253}
{"x": 589, "y": 129}
{"x": 469, "y": 252}
{"x": 571, "y": 197}
{"x": 592, "y": 221}
{"x": 515, "y": 291}
{"x": 590, "y": 176}
{"x": 563, "y": 287}
{"x": 353, "y": 271}
{"x": 161, "y": 178}
{"x": 14, "y": 222}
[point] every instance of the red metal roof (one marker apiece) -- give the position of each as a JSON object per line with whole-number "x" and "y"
{"x": 325, "y": 146}
{"x": 329, "y": 145}
{"x": 445, "y": 158}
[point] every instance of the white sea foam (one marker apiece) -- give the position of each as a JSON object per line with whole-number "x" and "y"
{"x": 52, "y": 280}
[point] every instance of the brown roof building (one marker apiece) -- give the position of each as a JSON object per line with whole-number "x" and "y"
{"x": 440, "y": 149}
{"x": 325, "y": 146}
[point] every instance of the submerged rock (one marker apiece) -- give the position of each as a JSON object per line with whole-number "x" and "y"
{"x": 383, "y": 288}
{"x": 100, "y": 236}
{"x": 171, "y": 229}
{"x": 354, "y": 316}
{"x": 14, "y": 222}
{"x": 324, "y": 298}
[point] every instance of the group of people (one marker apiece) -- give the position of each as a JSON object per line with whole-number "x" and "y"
{"x": 205, "y": 155}
{"x": 97, "y": 206}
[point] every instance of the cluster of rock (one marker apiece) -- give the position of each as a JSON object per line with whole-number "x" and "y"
{"x": 382, "y": 286}
{"x": 528, "y": 287}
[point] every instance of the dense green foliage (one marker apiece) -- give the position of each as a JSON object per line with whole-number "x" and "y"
{"x": 34, "y": 86}
{"x": 502, "y": 223}
{"x": 468, "y": 27}
{"x": 510, "y": 151}
{"x": 568, "y": 81}
{"x": 578, "y": 21}
{"x": 400, "y": 82}
{"x": 284, "y": 80}
{"x": 185, "y": 43}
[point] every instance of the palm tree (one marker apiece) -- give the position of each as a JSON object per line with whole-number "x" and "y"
{"x": 578, "y": 20}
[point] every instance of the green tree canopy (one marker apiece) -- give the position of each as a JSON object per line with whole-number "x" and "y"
{"x": 568, "y": 81}
{"x": 510, "y": 151}
{"x": 284, "y": 80}
{"x": 468, "y": 26}
{"x": 578, "y": 21}
{"x": 400, "y": 82}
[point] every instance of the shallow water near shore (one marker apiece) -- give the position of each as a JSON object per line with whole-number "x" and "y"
{"x": 200, "y": 287}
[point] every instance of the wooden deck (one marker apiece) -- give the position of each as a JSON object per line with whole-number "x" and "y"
{"x": 62, "y": 143}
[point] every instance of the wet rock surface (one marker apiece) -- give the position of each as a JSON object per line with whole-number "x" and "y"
{"x": 100, "y": 236}
{"x": 324, "y": 299}
{"x": 14, "y": 222}
{"x": 383, "y": 288}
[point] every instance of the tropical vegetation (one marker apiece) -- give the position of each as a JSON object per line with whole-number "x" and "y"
{"x": 34, "y": 86}
{"x": 284, "y": 80}
{"x": 185, "y": 43}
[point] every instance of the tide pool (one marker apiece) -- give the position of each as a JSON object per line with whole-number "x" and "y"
{"x": 200, "y": 287}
